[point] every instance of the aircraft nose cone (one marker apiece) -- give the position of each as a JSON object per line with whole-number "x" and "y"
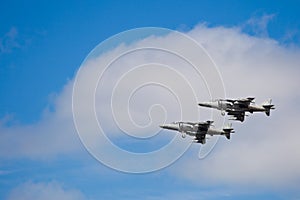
{"x": 205, "y": 104}
{"x": 169, "y": 126}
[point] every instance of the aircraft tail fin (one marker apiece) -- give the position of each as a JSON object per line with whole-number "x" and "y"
{"x": 228, "y": 129}
{"x": 268, "y": 106}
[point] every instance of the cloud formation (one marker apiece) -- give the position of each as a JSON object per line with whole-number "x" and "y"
{"x": 263, "y": 152}
{"x": 258, "y": 25}
{"x": 45, "y": 191}
{"x": 53, "y": 135}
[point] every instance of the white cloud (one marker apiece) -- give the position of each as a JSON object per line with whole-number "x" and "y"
{"x": 258, "y": 24}
{"x": 44, "y": 191}
{"x": 53, "y": 135}
{"x": 264, "y": 151}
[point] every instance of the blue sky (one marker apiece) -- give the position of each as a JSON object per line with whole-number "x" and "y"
{"x": 43, "y": 27}
{"x": 42, "y": 45}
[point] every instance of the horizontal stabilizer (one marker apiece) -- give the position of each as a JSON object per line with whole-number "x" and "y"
{"x": 228, "y": 130}
{"x": 268, "y": 106}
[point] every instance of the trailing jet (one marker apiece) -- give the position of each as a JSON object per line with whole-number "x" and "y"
{"x": 198, "y": 130}
{"x": 238, "y": 107}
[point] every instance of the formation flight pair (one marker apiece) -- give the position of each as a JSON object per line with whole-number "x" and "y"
{"x": 236, "y": 108}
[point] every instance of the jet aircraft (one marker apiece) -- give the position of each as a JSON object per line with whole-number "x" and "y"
{"x": 237, "y": 108}
{"x": 198, "y": 130}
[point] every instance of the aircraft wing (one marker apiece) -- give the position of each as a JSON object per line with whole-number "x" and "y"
{"x": 241, "y": 103}
{"x": 203, "y": 126}
{"x": 201, "y": 131}
{"x": 200, "y": 137}
{"x": 238, "y": 115}
{"x": 248, "y": 99}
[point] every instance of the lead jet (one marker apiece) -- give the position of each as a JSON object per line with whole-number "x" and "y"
{"x": 198, "y": 130}
{"x": 237, "y": 108}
